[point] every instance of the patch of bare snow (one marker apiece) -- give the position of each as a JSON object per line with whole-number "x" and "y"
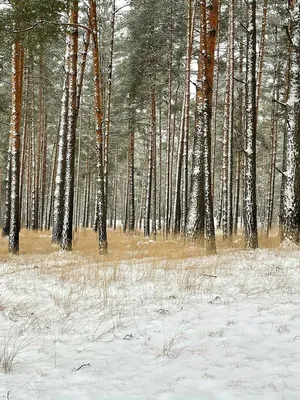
{"x": 211, "y": 328}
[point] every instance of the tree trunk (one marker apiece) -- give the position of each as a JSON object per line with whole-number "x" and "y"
{"x": 153, "y": 134}
{"x": 250, "y": 217}
{"x": 273, "y": 147}
{"x": 201, "y": 207}
{"x": 291, "y": 182}
{"x": 17, "y": 82}
{"x": 169, "y": 120}
{"x": 67, "y": 229}
{"x": 227, "y": 214}
{"x": 109, "y": 93}
{"x": 61, "y": 159}
{"x": 180, "y": 207}
{"x": 102, "y": 233}
{"x": 131, "y": 204}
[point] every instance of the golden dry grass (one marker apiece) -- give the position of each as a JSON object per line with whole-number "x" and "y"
{"x": 127, "y": 246}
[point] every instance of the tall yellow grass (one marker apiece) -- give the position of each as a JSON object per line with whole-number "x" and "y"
{"x": 128, "y": 246}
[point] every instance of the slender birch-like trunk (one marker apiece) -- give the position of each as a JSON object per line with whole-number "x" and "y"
{"x": 169, "y": 122}
{"x": 227, "y": 214}
{"x": 131, "y": 187}
{"x": 261, "y": 53}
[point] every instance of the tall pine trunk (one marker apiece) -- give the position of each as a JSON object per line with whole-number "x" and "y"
{"x": 61, "y": 158}
{"x": 291, "y": 182}
{"x": 67, "y": 230}
{"x": 17, "y": 82}
{"x": 250, "y": 213}
{"x": 200, "y": 213}
{"x": 227, "y": 187}
{"x": 101, "y": 201}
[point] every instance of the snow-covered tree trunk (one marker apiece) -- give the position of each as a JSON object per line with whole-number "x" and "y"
{"x": 181, "y": 202}
{"x": 273, "y": 142}
{"x": 201, "y": 208}
{"x": 291, "y": 182}
{"x": 227, "y": 214}
{"x": 261, "y": 53}
{"x": 61, "y": 158}
{"x": 159, "y": 195}
{"x": 6, "y": 214}
{"x": 153, "y": 134}
{"x": 25, "y": 141}
{"x": 49, "y": 207}
{"x": 169, "y": 122}
{"x": 147, "y": 204}
{"x": 215, "y": 109}
{"x": 240, "y": 135}
{"x": 101, "y": 201}
{"x": 109, "y": 92}
{"x": 17, "y": 81}
{"x": 67, "y": 231}
{"x": 131, "y": 187}
{"x": 250, "y": 215}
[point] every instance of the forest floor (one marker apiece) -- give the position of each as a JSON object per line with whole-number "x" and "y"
{"x": 161, "y": 322}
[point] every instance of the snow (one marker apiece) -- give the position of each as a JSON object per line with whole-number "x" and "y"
{"x": 211, "y": 328}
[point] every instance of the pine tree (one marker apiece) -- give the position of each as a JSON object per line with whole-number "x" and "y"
{"x": 291, "y": 182}
{"x": 250, "y": 218}
{"x": 200, "y": 215}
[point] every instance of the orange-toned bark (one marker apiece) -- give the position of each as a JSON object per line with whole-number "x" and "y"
{"x": 99, "y": 132}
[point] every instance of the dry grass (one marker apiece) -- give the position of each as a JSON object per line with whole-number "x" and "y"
{"x": 127, "y": 246}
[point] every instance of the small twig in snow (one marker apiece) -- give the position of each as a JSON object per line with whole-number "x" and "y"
{"x": 214, "y": 300}
{"x": 161, "y": 311}
{"x": 128, "y": 336}
{"x": 83, "y": 366}
{"x": 296, "y": 337}
{"x": 209, "y": 276}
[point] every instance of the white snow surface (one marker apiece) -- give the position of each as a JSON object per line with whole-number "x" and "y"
{"x": 146, "y": 329}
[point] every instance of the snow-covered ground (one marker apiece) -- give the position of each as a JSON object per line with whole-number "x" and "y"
{"x": 219, "y": 327}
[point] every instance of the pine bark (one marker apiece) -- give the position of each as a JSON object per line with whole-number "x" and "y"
{"x": 131, "y": 187}
{"x": 200, "y": 213}
{"x": 227, "y": 212}
{"x": 273, "y": 146}
{"x": 181, "y": 202}
{"x": 67, "y": 229}
{"x": 250, "y": 213}
{"x": 101, "y": 201}
{"x": 61, "y": 158}
{"x": 17, "y": 82}
{"x": 291, "y": 182}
